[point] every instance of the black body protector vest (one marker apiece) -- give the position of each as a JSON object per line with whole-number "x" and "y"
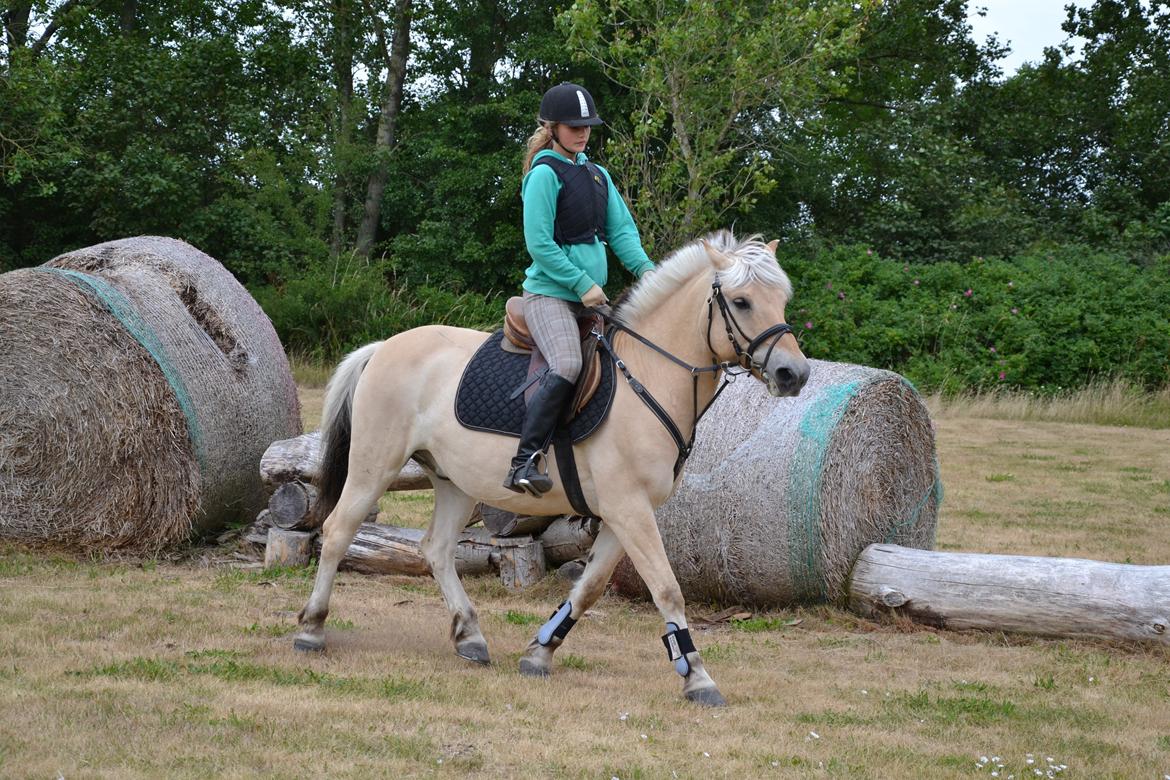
{"x": 581, "y": 202}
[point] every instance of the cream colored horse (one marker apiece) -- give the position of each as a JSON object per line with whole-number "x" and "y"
{"x": 394, "y": 400}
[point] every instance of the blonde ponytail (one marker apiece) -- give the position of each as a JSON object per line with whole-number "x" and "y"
{"x": 541, "y": 139}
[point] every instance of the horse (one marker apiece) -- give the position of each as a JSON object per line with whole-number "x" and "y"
{"x": 710, "y": 311}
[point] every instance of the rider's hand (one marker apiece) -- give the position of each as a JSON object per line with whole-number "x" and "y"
{"x": 595, "y": 296}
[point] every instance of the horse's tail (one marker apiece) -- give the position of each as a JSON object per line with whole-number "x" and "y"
{"x": 336, "y": 427}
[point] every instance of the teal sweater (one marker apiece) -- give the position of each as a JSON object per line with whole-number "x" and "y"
{"x": 568, "y": 272}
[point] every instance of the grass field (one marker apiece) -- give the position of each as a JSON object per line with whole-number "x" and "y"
{"x": 149, "y": 669}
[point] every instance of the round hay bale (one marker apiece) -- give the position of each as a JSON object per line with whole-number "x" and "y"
{"x": 781, "y": 495}
{"x": 139, "y": 385}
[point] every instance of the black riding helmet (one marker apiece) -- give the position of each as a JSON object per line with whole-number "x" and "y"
{"x": 569, "y": 104}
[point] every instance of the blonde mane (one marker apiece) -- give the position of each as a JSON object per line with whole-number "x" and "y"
{"x": 753, "y": 263}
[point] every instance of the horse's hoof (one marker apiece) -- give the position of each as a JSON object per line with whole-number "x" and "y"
{"x": 306, "y": 643}
{"x": 530, "y": 668}
{"x": 708, "y": 697}
{"x": 476, "y": 652}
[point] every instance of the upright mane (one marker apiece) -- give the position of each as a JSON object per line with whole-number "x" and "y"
{"x": 753, "y": 262}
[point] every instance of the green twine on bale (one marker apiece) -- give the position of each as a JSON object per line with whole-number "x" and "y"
{"x": 804, "y": 490}
{"x": 805, "y": 531}
{"x": 124, "y": 312}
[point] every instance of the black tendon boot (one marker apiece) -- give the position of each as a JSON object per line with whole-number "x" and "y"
{"x": 540, "y": 418}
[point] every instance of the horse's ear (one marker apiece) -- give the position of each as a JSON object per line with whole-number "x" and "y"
{"x": 719, "y": 259}
{"x": 775, "y": 242}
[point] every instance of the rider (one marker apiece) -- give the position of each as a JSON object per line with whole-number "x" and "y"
{"x": 571, "y": 210}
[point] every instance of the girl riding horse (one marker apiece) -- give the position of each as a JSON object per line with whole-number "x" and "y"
{"x": 571, "y": 210}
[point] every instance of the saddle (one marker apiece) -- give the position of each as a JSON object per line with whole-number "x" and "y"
{"x": 491, "y": 391}
{"x": 518, "y": 339}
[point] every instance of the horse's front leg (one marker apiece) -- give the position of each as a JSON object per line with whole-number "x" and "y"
{"x": 599, "y": 565}
{"x": 637, "y": 531}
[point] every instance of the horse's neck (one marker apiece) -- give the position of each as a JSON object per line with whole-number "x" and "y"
{"x": 673, "y": 326}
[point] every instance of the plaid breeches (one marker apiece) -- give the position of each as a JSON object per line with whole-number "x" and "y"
{"x": 553, "y": 325}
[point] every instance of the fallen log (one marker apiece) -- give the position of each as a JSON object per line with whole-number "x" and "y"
{"x": 387, "y": 549}
{"x": 287, "y": 548}
{"x": 568, "y": 538}
{"x": 1058, "y": 597}
{"x": 290, "y": 506}
{"x": 297, "y": 460}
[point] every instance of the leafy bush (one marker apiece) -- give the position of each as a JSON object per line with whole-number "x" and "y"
{"x": 326, "y": 311}
{"x": 1045, "y": 320}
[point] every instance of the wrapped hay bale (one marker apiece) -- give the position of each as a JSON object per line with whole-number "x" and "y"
{"x": 781, "y": 495}
{"x": 139, "y": 385}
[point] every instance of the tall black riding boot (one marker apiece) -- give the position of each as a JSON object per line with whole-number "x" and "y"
{"x": 540, "y": 418}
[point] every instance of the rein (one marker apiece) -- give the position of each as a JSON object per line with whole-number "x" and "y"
{"x": 744, "y": 360}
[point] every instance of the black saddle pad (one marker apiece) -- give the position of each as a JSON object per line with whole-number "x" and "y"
{"x": 484, "y": 403}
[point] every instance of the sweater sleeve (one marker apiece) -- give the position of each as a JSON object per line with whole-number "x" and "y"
{"x": 539, "y": 192}
{"x": 622, "y": 234}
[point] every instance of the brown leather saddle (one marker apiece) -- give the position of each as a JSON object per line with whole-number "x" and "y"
{"x": 518, "y": 339}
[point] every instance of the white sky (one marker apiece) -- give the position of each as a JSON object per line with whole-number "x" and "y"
{"x": 1026, "y": 25}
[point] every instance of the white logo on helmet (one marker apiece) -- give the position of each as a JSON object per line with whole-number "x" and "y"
{"x": 584, "y": 105}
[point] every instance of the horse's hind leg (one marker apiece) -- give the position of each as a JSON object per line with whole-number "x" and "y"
{"x": 453, "y": 508}
{"x": 362, "y": 490}
{"x": 603, "y": 557}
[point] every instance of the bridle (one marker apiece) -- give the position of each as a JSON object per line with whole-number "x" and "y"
{"x": 744, "y": 361}
{"x": 776, "y": 332}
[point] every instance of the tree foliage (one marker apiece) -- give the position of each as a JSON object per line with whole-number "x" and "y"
{"x": 715, "y": 86}
{"x": 265, "y": 132}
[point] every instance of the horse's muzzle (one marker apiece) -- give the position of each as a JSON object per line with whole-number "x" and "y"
{"x": 786, "y": 375}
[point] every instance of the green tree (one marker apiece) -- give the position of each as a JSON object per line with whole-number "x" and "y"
{"x": 712, "y": 81}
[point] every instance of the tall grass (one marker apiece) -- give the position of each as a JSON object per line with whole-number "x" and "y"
{"x": 1115, "y": 402}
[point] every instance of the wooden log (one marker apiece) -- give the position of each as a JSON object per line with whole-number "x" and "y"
{"x": 568, "y": 538}
{"x": 521, "y": 560}
{"x": 287, "y": 548}
{"x": 297, "y": 460}
{"x": 290, "y": 506}
{"x": 1059, "y": 597}
{"x": 387, "y": 549}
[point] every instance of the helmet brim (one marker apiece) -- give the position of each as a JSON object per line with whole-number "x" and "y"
{"x": 593, "y": 120}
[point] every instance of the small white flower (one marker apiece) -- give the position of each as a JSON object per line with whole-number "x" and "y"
{"x": 995, "y": 774}
{"x": 982, "y": 759}
{"x": 644, "y": 736}
{"x": 624, "y": 716}
{"x": 706, "y": 754}
{"x": 814, "y": 735}
{"x": 1029, "y": 760}
{"x": 777, "y": 763}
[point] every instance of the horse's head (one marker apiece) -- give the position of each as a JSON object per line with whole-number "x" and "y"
{"x": 745, "y": 319}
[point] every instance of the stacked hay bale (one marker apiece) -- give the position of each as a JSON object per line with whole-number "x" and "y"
{"x": 139, "y": 385}
{"x": 782, "y": 494}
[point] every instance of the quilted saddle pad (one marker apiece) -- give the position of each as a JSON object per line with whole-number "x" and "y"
{"x": 484, "y": 403}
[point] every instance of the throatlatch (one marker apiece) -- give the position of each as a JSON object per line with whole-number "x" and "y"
{"x": 558, "y": 625}
{"x": 678, "y": 644}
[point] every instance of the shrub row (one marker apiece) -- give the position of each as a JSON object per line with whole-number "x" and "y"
{"x": 1047, "y": 320}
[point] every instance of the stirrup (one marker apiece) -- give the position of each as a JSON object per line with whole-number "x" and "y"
{"x": 532, "y": 479}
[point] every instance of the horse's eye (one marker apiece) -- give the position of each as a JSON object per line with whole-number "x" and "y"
{"x": 742, "y": 303}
